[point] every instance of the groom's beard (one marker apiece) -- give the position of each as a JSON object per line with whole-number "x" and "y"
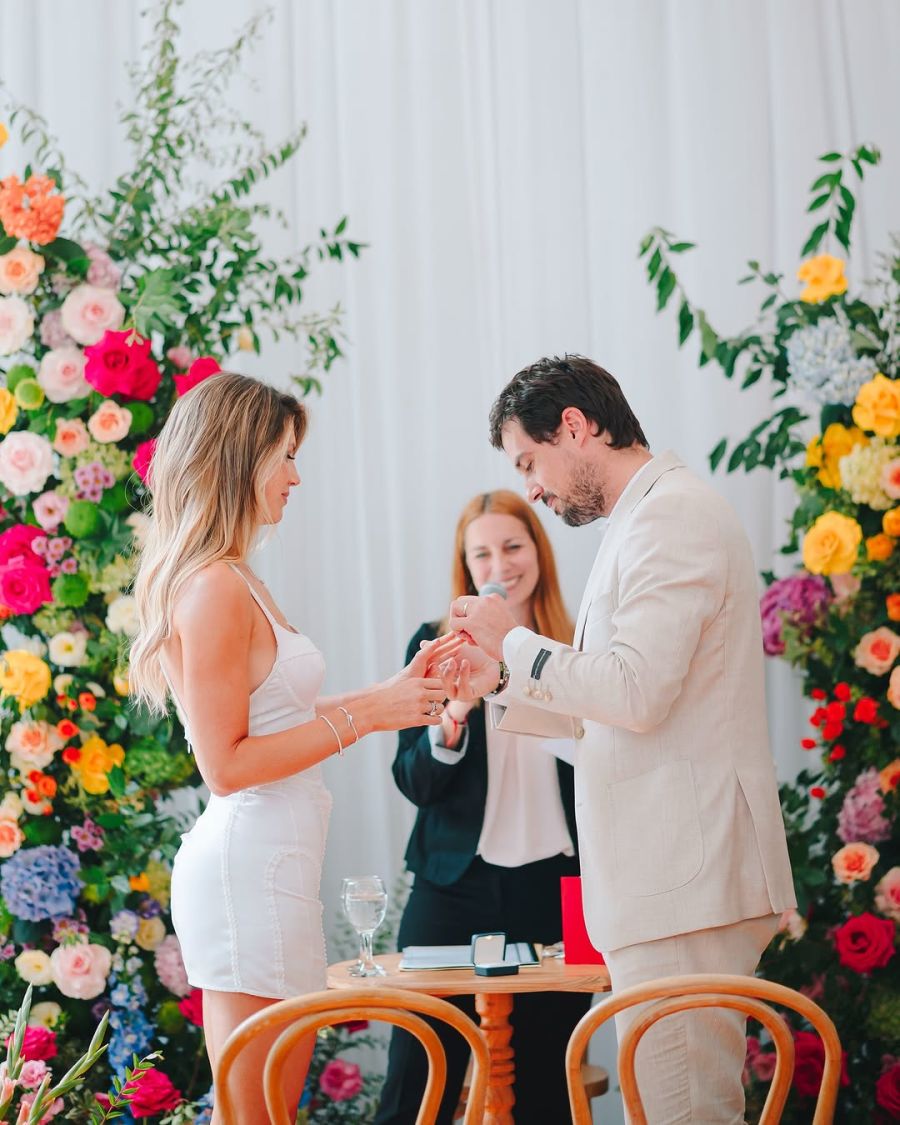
{"x": 585, "y": 499}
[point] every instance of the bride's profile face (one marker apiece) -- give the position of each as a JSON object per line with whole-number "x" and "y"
{"x": 278, "y": 487}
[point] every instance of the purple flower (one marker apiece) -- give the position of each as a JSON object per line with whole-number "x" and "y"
{"x": 42, "y": 882}
{"x": 102, "y": 271}
{"x": 799, "y": 600}
{"x": 860, "y": 818}
{"x": 88, "y": 836}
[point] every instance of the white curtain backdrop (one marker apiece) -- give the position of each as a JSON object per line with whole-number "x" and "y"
{"x": 502, "y": 159}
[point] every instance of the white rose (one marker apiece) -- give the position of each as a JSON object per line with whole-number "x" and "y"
{"x": 31, "y": 745}
{"x": 33, "y": 966}
{"x": 61, "y": 374}
{"x": 26, "y": 460}
{"x": 89, "y": 311}
{"x": 68, "y": 650}
{"x": 44, "y": 1014}
{"x": 16, "y": 324}
{"x": 122, "y": 616}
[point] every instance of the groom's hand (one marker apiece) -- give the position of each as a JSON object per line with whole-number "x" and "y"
{"x": 483, "y": 621}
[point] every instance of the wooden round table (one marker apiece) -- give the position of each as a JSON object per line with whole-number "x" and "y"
{"x": 493, "y": 1002}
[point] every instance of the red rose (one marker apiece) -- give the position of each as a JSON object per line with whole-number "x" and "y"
{"x": 842, "y": 691}
{"x": 39, "y": 1043}
{"x": 191, "y": 1006}
{"x": 836, "y": 712}
{"x": 865, "y": 942}
{"x": 17, "y": 545}
{"x": 154, "y": 1093}
{"x": 809, "y": 1064}
{"x": 866, "y": 710}
{"x": 143, "y": 455}
{"x": 24, "y": 588}
{"x": 887, "y": 1091}
{"x": 199, "y": 370}
{"x": 120, "y": 364}
{"x": 832, "y": 730}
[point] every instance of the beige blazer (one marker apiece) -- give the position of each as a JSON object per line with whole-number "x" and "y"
{"x": 679, "y": 821}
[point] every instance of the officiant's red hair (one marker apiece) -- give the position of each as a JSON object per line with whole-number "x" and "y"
{"x": 550, "y": 614}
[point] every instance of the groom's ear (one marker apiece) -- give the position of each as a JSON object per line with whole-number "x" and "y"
{"x": 575, "y": 427}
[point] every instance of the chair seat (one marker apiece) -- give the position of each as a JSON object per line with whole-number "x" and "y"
{"x": 594, "y": 1079}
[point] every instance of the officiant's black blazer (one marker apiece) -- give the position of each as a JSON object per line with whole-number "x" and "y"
{"x": 451, "y": 798}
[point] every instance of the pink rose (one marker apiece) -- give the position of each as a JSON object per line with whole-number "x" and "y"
{"x": 890, "y": 479}
{"x": 180, "y": 357}
{"x": 11, "y": 836}
{"x": 887, "y": 894}
{"x": 26, "y": 460}
{"x": 71, "y": 437}
{"x": 16, "y": 324}
{"x": 27, "y": 1101}
{"x": 170, "y": 967}
{"x": 143, "y": 455}
{"x": 61, "y": 374}
{"x": 32, "y": 1073}
{"x": 39, "y": 1043}
{"x": 89, "y": 311}
{"x": 50, "y": 510}
{"x": 110, "y": 423}
{"x": 763, "y": 1065}
{"x": 20, "y": 271}
{"x": 200, "y": 369}
{"x": 17, "y": 545}
{"x": 854, "y": 862}
{"x": 24, "y": 588}
{"x": 191, "y": 1006}
{"x": 33, "y": 744}
{"x": 154, "y": 1093}
{"x": 877, "y": 651}
{"x": 80, "y": 971}
{"x": 120, "y": 364}
{"x": 341, "y": 1080}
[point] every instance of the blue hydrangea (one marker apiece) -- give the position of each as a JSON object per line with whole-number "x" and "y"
{"x": 205, "y": 1107}
{"x": 124, "y": 925}
{"x": 42, "y": 882}
{"x": 822, "y": 362}
{"x": 131, "y": 1033}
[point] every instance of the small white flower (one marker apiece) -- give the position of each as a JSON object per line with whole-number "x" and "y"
{"x": 33, "y": 966}
{"x": 68, "y": 650}
{"x": 122, "y": 616}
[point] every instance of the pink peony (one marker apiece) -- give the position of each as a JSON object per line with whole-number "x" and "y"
{"x": 200, "y": 369}
{"x": 17, "y": 545}
{"x": 877, "y": 651}
{"x": 61, "y": 374}
{"x": 887, "y": 894}
{"x": 180, "y": 357}
{"x": 16, "y": 324}
{"x": 341, "y": 1080}
{"x": 50, "y": 510}
{"x": 110, "y": 423}
{"x": 24, "y": 588}
{"x": 170, "y": 967}
{"x": 143, "y": 455}
{"x": 26, "y": 1103}
{"x": 154, "y": 1093}
{"x": 191, "y": 1007}
{"x": 71, "y": 437}
{"x": 102, "y": 271}
{"x": 861, "y": 816}
{"x": 89, "y": 311}
{"x": 52, "y": 333}
{"x": 26, "y": 460}
{"x": 120, "y": 364}
{"x": 32, "y": 1073}
{"x": 80, "y": 971}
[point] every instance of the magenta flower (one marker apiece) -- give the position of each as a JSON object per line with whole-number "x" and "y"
{"x": 341, "y": 1080}
{"x": 861, "y": 817}
{"x": 799, "y": 600}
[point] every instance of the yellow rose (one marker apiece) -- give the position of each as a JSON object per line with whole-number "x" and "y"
{"x": 8, "y": 410}
{"x": 150, "y": 933}
{"x": 890, "y": 523}
{"x": 33, "y": 966}
{"x": 879, "y": 548}
{"x": 831, "y": 544}
{"x": 4, "y": 134}
{"x": 824, "y": 277}
{"x": 877, "y": 407}
{"x": 23, "y": 676}
{"x": 92, "y": 781}
{"x": 824, "y": 453}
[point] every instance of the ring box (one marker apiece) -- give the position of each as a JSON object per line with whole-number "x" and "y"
{"x": 488, "y": 956}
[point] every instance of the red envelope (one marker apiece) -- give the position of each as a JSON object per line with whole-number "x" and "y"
{"x": 579, "y": 950}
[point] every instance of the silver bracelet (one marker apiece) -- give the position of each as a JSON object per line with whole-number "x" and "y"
{"x": 325, "y": 719}
{"x": 352, "y": 726}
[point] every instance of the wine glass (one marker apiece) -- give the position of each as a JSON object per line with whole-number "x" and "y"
{"x": 365, "y": 902}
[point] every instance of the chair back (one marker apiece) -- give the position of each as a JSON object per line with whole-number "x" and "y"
{"x": 667, "y": 995}
{"x": 305, "y": 1015}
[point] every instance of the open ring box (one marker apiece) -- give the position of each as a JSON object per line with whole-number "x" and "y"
{"x": 488, "y": 952}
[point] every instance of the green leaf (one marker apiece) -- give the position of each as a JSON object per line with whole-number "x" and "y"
{"x": 64, "y": 249}
{"x": 665, "y": 287}
{"x": 7, "y": 243}
{"x": 830, "y": 157}
{"x": 654, "y": 264}
{"x": 828, "y": 179}
{"x": 709, "y": 341}
{"x": 814, "y": 239}
{"x": 819, "y": 201}
{"x": 717, "y": 454}
{"x": 646, "y": 243}
{"x": 116, "y": 781}
{"x": 680, "y": 247}
{"x": 685, "y": 322}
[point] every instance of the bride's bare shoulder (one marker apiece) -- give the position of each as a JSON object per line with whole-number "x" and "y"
{"x": 215, "y": 592}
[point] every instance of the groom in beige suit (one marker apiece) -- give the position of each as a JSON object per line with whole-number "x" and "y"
{"x": 684, "y": 861}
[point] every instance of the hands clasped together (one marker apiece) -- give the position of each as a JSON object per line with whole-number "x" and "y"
{"x": 467, "y": 658}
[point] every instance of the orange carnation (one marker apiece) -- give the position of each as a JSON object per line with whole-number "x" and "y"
{"x": 879, "y": 547}
{"x": 32, "y": 210}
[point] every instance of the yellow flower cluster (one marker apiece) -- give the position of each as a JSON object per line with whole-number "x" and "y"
{"x": 9, "y": 410}
{"x": 832, "y": 544}
{"x": 877, "y": 407}
{"x": 23, "y": 677}
{"x": 95, "y": 762}
{"x": 824, "y": 277}
{"x": 825, "y": 451}
{"x": 862, "y": 472}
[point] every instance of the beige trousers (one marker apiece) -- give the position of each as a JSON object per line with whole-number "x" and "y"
{"x": 689, "y": 1064}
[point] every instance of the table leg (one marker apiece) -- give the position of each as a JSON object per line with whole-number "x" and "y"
{"x": 494, "y": 1008}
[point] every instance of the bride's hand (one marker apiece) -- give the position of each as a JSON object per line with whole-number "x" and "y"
{"x": 469, "y": 675}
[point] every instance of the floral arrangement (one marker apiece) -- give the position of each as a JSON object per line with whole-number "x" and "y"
{"x": 832, "y": 353}
{"x": 110, "y": 308}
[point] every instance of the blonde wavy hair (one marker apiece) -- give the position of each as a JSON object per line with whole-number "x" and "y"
{"x": 218, "y": 449}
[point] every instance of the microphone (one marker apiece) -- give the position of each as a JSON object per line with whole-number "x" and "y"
{"x": 492, "y": 588}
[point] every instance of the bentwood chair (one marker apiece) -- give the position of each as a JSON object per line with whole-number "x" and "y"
{"x": 305, "y": 1015}
{"x": 707, "y": 990}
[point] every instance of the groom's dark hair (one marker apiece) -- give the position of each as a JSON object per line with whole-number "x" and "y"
{"x": 537, "y": 396}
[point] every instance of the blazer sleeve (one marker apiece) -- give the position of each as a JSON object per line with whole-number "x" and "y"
{"x": 419, "y": 775}
{"x": 672, "y": 579}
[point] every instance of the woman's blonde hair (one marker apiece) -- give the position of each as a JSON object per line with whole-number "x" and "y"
{"x": 550, "y": 614}
{"x": 218, "y": 449}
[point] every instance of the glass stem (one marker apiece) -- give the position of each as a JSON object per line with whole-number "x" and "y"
{"x": 365, "y": 949}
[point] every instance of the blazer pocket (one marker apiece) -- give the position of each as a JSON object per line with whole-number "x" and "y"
{"x": 656, "y": 830}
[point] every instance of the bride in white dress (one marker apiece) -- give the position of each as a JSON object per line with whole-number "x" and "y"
{"x": 245, "y": 885}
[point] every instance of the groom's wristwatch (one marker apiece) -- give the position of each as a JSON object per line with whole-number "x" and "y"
{"x": 504, "y": 678}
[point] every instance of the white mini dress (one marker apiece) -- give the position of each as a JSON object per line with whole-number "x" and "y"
{"x": 245, "y": 882}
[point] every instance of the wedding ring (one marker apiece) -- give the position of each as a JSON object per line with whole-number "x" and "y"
{"x": 464, "y": 610}
{"x": 434, "y": 708}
